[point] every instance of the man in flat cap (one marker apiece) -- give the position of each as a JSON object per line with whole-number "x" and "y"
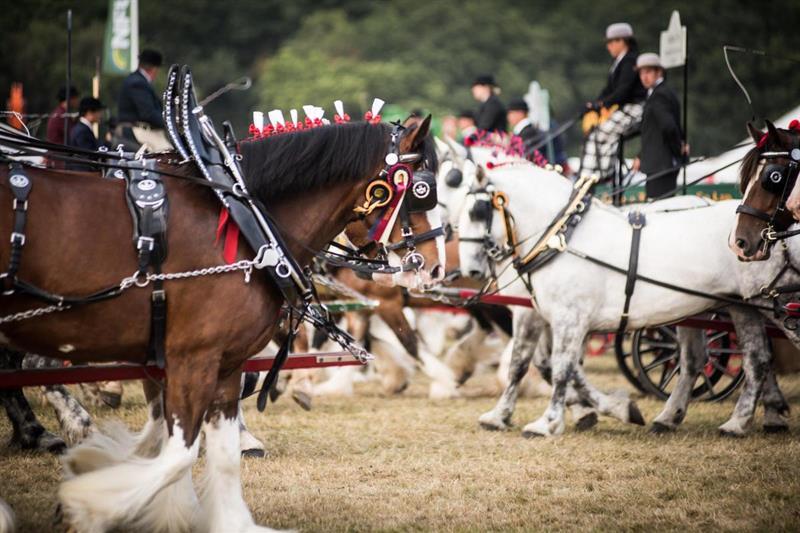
{"x": 619, "y": 104}
{"x": 492, "y": 113}
{"x": 140, "y": 120}
{"x": 663, "y": 146}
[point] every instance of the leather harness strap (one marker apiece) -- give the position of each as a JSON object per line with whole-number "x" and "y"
{"x": 21, "y": 188}
{"x": 637, "y": 221}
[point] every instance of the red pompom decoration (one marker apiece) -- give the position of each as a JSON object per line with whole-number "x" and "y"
{"x": 795, "y": 125}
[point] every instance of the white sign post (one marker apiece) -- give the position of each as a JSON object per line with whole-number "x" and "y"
{"x": 673, "y": 43}
{"x": 674, "y": 52}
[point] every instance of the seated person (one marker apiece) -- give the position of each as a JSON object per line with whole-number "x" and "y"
{"x": 82, "y": 134}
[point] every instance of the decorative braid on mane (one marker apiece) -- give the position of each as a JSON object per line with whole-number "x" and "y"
{"x": 295, "y": 162}
{"x": 510, "y": 145}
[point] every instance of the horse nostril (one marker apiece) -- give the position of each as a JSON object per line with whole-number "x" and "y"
{"x": 741, "y": 244}
{"x": 474, "y": 273}
{"x": 437, "y": 273}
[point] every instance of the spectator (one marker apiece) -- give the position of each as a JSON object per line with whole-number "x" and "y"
{"x": 466, "y": 124}
{"x": 491, "y": 113}
{"x": 82, "y": 135}
{"x": 55, "y": 123}
{"x": 534, "y": 138}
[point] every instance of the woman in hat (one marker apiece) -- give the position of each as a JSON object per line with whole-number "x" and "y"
{"x": 492, "y": 113}
{"x": 663, "y": 147}
{"x": 619, "y": 102}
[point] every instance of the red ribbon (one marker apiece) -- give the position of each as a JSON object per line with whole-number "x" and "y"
{"x": 231, "y": 229}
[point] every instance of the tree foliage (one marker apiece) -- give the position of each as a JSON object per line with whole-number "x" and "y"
{"x": 418, "y": 53}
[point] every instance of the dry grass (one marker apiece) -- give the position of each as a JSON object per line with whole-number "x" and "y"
{"x": 405, "y": 463}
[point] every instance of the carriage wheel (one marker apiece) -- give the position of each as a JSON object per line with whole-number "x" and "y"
{"x": 655, "y": 356}
{"x": 622, "y": 349}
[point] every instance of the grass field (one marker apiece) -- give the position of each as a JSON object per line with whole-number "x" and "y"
{"x": 406, "y": 463}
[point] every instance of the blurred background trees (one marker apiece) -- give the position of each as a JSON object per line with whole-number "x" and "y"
{"x": 418, "y": 54}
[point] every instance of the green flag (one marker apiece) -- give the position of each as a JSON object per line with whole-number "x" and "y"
{"x": 121, "y": 46}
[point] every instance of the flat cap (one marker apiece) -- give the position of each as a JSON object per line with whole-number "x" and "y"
{"x": 648, "y": 59}
{"x": 619, "y": 30}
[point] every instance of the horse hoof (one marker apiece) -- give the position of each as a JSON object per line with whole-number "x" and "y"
{"x": 660, "y": 429}
{"x": 730, "y": 434}
{"x": 254, "y": 452}
{"x": 111, "y": 399}
{"x": 586, "y": 422}
{"x": 634, "y": 415}
{"x": 302, "y": 399}
{"x": 528, "y": 434}
{"x": 774, "y": 429}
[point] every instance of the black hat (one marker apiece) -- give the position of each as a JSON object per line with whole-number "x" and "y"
{"x": 150, "y": 58}
{"x": 466, "y": 113}
{"x": 485, "y": 79}
{"x": 518, "y": 104}
{"x": 89, "y": 104}
{"x": 62, "y": 93}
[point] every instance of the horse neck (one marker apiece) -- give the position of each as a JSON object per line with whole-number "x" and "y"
{"x": 312, "y": 219}
{"x": 535, "y": 195}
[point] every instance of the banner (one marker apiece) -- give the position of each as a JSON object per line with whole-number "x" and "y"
{"x": 121, "y": 46}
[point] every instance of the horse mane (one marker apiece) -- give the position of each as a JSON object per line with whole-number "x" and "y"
{"x": 292, "y": 163}
{"x": 749, "y": 166}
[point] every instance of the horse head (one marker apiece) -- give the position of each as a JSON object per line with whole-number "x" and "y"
{"x": 768, "y": 181}
{"x": 398, "y": 210}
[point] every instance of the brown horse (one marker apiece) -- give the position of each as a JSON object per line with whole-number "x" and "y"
{"x": 766, "y": 186}
{"x": 79, "y": 240}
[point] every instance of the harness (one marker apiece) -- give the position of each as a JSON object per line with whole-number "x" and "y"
{"x": 195, "y": 139}
{"x": 778, "y": 180}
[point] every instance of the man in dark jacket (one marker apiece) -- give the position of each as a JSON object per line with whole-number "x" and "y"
{"x": 619, "y": 103}
{"x": 662, "y": 138}
{"x": 82, "y": 135}
{"x": 140, "y": 120}
{"x": 492, "y": 113}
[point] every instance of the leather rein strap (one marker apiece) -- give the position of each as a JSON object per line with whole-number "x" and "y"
{"x": 21, "y": 188}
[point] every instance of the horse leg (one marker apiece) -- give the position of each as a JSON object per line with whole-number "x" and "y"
{"x": 223, "y": 505}
{"x": 776, "y": 409}
{"x": 153, "y": 493}
{"x": 6, "y": 517}
{"x": 28, "y": 432}
{"x": 692, "y": 362}
{"x": 568, "y": 343}
{"x": 757, "y": 358}
{"x": 250, "y": 445}
{"x": 583, "y": 413}
{"x": 462, "y": 357}
{"x": 75, "y": 421}
{"x": 527, "y": 327}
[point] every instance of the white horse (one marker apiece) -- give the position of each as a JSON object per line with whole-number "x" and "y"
{"x": 575, "y": 296}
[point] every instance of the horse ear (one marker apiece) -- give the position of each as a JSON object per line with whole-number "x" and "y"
{"x": 415, "y": 135}
{"x": 754, "y": 132}
{"x": 771, "y": 129}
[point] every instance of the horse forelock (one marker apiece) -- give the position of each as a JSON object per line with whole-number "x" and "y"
{"x": 749, "y": 167}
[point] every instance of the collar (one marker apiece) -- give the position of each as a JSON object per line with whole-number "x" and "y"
{"x": 659, "y": 81}
{"x": 521, "y": 125}
{"x": 146, "y": 75}
{"x": 84, "y": 121}
{"x": 617, "y": 60}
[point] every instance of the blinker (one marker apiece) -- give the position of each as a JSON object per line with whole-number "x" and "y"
{"x": 772, "y": 178}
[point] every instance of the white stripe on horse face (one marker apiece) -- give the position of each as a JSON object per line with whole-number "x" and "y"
{"x": 434, "y": 217}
